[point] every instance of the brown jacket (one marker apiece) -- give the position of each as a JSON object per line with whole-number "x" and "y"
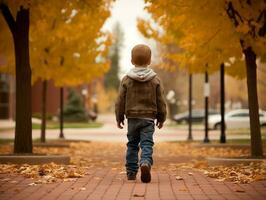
{"x": 140, "y": 100}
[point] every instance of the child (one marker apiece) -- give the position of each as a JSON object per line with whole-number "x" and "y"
{"x": 141, "y": 100}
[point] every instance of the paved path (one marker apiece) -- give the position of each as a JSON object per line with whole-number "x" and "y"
{"x": 111, "y": 184}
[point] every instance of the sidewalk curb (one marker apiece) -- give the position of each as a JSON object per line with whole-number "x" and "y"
{"x": 221, "y": 145}
{"x": 33, "y": 159}
{"x": 213, "y": 161}
{"x": 51, "y": 145}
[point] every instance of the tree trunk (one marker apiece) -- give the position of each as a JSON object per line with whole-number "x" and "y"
{"x": 61, "y": 135}
{"x": 23, "y": 132}
{"x": 44, "y": 94}
{"x": 251, "y": 67}
{"x": 222, "y": 94}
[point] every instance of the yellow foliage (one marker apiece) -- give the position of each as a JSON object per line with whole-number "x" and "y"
{"x": 66, "y": 41}
{"x": 204, "y": 33}
{"x": 6, "y": 49}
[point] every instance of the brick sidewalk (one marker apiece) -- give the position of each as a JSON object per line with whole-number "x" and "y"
{"x": 108, "y": 183}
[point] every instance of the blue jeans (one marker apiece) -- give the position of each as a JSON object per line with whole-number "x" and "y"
{"x": 140, "y": 134}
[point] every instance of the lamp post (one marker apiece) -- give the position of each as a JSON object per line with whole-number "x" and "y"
{"x": 206, "y": 96}
{"x": 222, "y": 136}
{"x": 61, "y": 135}
{"x": 190, "y": 107}
{"x": 43, "y": 126}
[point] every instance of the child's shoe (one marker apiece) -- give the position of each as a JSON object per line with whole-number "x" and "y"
{"x": 131, "y": 176}
{"x": 145, "y": 173}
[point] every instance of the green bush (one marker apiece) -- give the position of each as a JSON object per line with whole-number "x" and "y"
{"x": 74, "y": 110}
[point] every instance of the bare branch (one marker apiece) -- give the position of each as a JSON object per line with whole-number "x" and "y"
{"x": 262, "y": 30}
{"x": 233, "y": 14}
{"x": 8, "y": 17}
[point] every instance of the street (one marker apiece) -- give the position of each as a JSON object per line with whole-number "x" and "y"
{"x": 109, "y": 132}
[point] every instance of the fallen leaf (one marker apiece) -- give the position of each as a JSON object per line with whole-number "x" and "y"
{"x": 32, "y": 184}
{"x": 240, "y": 190}
{"x": 233, "y": 173}
{"x": 5, "y": 179}
{"x": 178, "y": 178}
{"x": 13, "y": 182}
{"x": 17, "y": 190}
{"x": 73, "y": 174}
{"x": 138, "y": 195}
{"x": 259, "y": 177}
{"x": 41, "y": 172}
{"x": 220, "y": 180}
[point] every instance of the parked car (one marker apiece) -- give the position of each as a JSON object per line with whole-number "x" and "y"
{"x": 235, "y": 119}
{"x": 198, "y": 115}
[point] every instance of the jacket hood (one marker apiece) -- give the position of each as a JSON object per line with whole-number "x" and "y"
{"x": 141, "y": 74}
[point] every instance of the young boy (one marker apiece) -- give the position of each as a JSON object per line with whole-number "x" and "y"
{"x": 141, "y": 100}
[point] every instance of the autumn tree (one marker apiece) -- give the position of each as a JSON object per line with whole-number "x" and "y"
{"x": 73, "y": 52}
{"x": 213, "y": 33}
{"x": 249, "y": 20}
{"x": 69, "y": 57}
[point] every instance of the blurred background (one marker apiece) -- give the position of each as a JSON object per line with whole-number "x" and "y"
{"x": 116, "y": 32}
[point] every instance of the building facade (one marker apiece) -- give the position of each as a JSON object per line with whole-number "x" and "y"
{"x": 8, "y": 97}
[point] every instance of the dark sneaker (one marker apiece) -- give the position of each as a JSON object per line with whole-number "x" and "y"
{"x": 145, "y": 173}
{"x": 131, "y": 176}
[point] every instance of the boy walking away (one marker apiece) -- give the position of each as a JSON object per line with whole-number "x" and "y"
{"x": 141, "y": 100}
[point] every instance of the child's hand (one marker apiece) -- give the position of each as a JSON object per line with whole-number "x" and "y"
{"x": 159, "y": 124}
{"x": 119, "y": 124}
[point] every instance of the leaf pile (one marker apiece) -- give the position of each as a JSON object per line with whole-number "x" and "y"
{"x": 83, "y": 156}
{"x": 93, "y": 154}
{"x": 167, "y": 156}
{"x": 239, "y": 173}
{"x": 46, "y": 173}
